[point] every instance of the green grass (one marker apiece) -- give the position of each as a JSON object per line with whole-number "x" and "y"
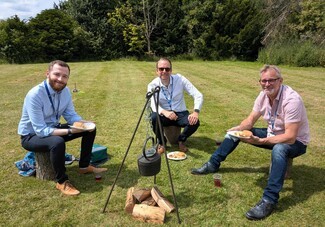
{"x": 113, "y": 94}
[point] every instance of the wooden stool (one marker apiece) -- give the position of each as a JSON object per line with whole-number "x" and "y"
{"x": 289, "y": 167}
{"x": 172, "y": 133}
{"x": 44, "y": 169}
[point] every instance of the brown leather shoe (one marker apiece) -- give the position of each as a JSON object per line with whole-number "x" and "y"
{"x": 182, "y": 147}
{"x": 161, "y": 149}
{"x": 67, "y": 188}
{"x": 91, "y": 169}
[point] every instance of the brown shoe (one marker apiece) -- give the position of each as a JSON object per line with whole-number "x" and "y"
{"x": 91, "y": 169}
{"x": 161, "y": 149}
{"x": 67, "y": 188}
{"x": 182, "y": 147}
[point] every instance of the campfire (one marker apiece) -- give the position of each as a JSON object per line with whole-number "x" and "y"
{"x": 148, "y": 205}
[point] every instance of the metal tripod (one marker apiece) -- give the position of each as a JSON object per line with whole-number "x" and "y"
{"x": 156, "y": 101}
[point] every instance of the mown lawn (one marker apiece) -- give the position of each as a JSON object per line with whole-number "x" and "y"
{"x": 113, "y": 95}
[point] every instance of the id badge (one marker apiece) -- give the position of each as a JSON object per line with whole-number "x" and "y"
{"x": 270, "y": 134}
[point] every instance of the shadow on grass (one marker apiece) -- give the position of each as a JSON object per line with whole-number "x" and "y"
{"x": 306, "y": 181}
{"x": 126, "y": 178}
{"x": 205, "y": 144}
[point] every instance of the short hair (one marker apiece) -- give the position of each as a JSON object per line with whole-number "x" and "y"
{"x": 164, "y": 59}
{"x": 271, "y": 67}
{"x": 60, "y": 63}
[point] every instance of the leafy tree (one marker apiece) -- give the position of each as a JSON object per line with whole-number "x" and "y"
{"x": 52, "y": 34}
{"x": 223, "y": 29}
{"x": 91, "y": 15}
{"x": 14, "y": 45}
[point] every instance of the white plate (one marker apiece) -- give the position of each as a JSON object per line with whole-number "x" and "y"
{"x": 234, "y": 134}
{"x": 173, "y": 156}
{"x": 87, "y": 126}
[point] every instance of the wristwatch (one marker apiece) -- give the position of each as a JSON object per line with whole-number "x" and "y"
{"x": 197, "y": 110}
{"x": 69, "y": 132}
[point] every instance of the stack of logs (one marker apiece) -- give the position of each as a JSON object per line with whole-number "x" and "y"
{"x": 147, "y": 205}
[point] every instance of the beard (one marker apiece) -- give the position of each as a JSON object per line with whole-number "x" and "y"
{"x": 57, "y": 85}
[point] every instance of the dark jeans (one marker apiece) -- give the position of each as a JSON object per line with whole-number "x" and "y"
{"x": 181, "y": 121}
{"x": 280, "y": 154}
{"x": 56, "y": 146}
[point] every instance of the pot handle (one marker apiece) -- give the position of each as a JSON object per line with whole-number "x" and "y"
{"x": 145, "y": 145}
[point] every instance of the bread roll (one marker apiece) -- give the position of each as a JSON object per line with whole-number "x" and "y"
{"x": 78, "y": 124}
{"x": 246, "y": 133}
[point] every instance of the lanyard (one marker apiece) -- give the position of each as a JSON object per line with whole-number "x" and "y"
{"x": 169, "y": 100}
{"x": 50, "y": 98}
{"x": 272, "y": 119}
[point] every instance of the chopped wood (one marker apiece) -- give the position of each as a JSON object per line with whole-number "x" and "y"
{"x": 149, "y": 214}
{"x": 142, "y": 194}
{"x": 161, "y": 200}
{"x": 130, "y": 201}
{"x": 149, "y": 201}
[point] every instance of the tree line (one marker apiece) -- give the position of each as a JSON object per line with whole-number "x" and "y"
{"x": 271, "y": 31}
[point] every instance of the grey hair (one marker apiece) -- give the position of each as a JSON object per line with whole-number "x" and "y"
{"x": 271, "y": 67}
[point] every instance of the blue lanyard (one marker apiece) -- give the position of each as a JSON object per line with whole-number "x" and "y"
{"x": 272, "y": 119}
{"x": 49, "y": 95}
{"x": 169, "y": 100}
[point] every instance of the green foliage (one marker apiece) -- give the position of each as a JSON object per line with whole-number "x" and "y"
{"x": 293, "y": 52}
{"x": 52, "y": 33}
{"x": 13, "y": 44}
{"x": 230, "y": 28}
{"x": 199, "y": 29}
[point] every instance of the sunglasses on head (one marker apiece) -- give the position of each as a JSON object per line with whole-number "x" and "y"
{"x": 162, "y": 69}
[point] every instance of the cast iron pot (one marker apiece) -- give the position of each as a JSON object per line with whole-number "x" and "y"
{"x": 149, "y": 161}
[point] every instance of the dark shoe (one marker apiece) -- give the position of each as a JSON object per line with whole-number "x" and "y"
{"x": 182, "y": 147}
{"x": 261, "y": 210}
{"x": 205, "y": 169}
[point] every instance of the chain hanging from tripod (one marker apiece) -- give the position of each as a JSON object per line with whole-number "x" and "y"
{"x": 148, "y": 120}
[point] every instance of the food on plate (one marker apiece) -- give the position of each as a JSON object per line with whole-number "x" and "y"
{"x": 244, "y": 133}
{"x": 177, "y": 155}
{"x": 79, "y": 124}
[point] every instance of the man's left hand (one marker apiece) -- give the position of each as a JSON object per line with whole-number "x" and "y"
{"x": 193, "y": 118}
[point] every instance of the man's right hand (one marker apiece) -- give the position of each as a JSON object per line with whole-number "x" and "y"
{"x": 169, "y": 114}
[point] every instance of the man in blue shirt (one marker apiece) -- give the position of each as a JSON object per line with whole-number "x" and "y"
{"x": 40, "y": 128}
{"x": 172, "y": 108}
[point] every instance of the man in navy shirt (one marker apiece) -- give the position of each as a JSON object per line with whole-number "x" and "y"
{"x": 40, "y": 129}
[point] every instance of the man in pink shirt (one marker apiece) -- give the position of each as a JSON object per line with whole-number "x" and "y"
{"x": 287, "y": 135}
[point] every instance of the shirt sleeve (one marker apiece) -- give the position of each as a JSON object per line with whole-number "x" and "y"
{"x": 194, "y": 92}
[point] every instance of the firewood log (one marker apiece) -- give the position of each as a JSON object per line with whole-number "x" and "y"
{"x": 149, "y": 214}
{"x": 161, "y": 200}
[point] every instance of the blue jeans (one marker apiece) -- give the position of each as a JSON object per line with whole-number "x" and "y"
{"x": 181, "y": 121}
{"x": 280, "y": 154}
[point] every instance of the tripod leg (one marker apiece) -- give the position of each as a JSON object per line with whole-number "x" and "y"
{"x": 169, "y": 173}
{"x": 126, "y": 153}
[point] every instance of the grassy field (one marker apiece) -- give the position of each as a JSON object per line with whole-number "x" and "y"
{"x": 113, "y": 94}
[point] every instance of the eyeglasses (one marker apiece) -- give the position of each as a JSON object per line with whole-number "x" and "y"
{"x": 271, "y": 81}
{"x": 162, "y": 69}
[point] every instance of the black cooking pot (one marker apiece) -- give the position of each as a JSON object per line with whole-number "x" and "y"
{"x": 149, "y": 161}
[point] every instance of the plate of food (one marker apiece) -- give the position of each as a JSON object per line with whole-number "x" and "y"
{"x": 245, "y": 134}
{"x": 176, "y": 155}
{"x": 83, "y": 125}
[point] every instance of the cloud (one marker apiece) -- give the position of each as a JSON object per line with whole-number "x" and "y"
{"x": 24, "y": 9}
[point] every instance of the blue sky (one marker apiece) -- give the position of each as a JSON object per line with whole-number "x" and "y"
{"x": 24, "y": 9}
